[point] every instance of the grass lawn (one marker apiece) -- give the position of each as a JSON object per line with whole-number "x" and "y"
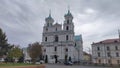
{"x": 14, "y": 65}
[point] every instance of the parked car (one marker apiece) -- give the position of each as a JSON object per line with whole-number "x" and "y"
{"x": 39, "y": 62}
{"x": 2, "y": 60}
{"x": 42, "y": 61}
{"x": 68, "y": 63}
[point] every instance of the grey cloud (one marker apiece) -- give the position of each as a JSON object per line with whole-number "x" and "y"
{"x": 22, "y": 20}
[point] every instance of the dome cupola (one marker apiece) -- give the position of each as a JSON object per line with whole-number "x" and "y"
{"x": 49, "y": 20}
{"x": 68, "y": 15}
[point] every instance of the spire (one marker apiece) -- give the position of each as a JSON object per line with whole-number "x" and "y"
{"x": 68, "y": 15}
{"x": 49, "y": 19}
{"x": 68, "y": 9}
{"x": 49, "y": 13}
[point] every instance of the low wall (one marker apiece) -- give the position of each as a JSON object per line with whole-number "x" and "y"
{"x": 36, "y": 66}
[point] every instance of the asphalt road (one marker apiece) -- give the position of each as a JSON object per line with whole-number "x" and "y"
{"x": 73, "y": 66}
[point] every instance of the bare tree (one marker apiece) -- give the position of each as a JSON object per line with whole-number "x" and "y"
{"x": 35, "y": 51}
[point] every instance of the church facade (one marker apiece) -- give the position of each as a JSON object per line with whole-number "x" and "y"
{"x": 59, "y": 41}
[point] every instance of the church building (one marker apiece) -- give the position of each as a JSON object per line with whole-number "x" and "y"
{"x": 59, "y": 41}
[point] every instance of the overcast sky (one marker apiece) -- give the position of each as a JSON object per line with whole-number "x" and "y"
{"x": 23, "y": 20}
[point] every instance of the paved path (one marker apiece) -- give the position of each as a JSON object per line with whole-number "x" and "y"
{"x": 73, "y": 66}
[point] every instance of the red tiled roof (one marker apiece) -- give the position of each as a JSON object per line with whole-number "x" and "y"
{"x": 107, "y": 41}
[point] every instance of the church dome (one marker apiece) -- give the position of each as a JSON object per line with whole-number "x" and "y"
{"x": 68, "y": 14}
{"x": 49, "y": 18}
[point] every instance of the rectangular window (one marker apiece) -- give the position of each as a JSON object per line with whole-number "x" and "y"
{"x": 108, "y": 48}
{"x": 117, "y": 54}
{"x": 108, "y": 54}
{"x": 98, "y": 48}
{"x": 98, "y": 54}
{"x": 116, "y": 48}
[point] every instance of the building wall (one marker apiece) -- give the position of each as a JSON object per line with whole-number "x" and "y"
{"x": 103, "y": 53}
{"x": 62, "y": 42}
{"x": 61, "y": 34}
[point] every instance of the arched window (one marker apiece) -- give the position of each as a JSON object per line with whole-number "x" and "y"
{"x": 55, "y": 48}
{"x": 56, "y": 38}
{"x": 46, "y": 29}
{"x": 66, "y": 50}
{"x": 67, "y": 37}
{"x": 67, "y": 28}
{"x": 46, "y": 39}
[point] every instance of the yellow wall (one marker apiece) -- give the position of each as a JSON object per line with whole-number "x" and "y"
{"x": 113, "y": 61}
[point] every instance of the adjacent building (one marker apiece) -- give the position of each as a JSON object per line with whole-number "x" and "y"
{"x": 59, "y": 40}
{"x": 27, "y": 57}
{"x": 106, "y": 51}
{"x": 87, "y": 57}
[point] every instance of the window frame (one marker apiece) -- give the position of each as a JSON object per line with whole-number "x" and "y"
{"x": 67, "y": 37}
{"x": 46, "y": 39}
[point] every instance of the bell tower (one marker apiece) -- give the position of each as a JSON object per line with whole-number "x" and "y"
{"x": 49, "y": 20}
{"x": 48, "y": 23}
{"x": 68, "y": 26}
{"x": 68, "y": 23}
